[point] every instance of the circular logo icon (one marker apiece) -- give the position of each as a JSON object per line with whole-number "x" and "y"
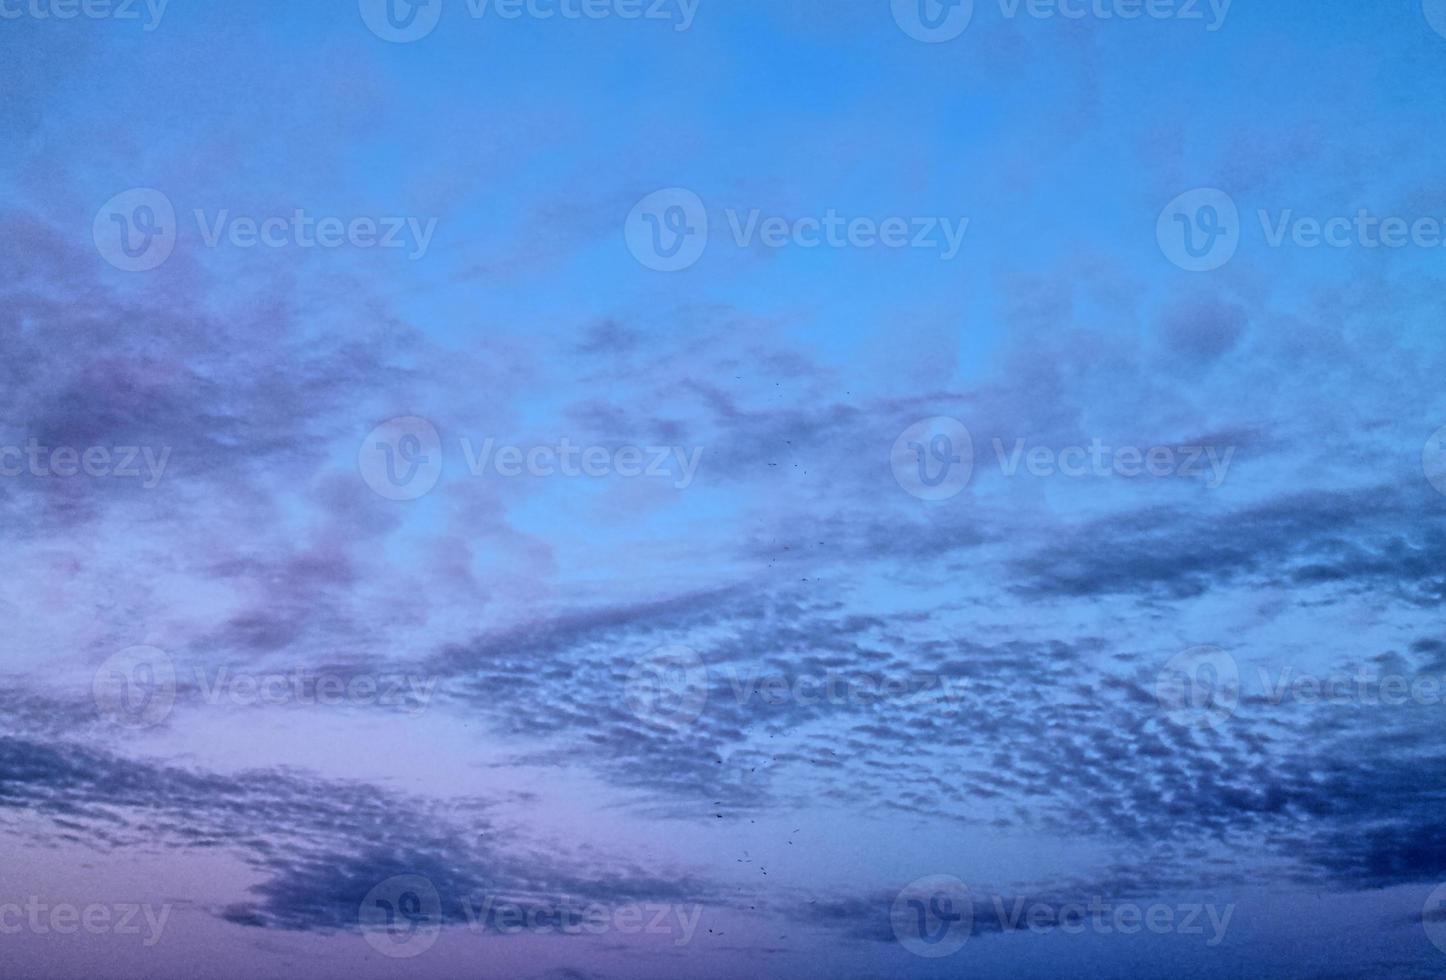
{"x": 1433, "y": 460}
{"x": 1200, "y": 686}
{"x": 1199, "y": 230}
{"x": 1433, "y": 917}
{"x": 667, "y": 231}
{"x": 933, "y": 21}
{"x": 1435, "y": 11}
{"x": 401, "y": 459}
{"x": 136, "y": 687}
{"x": 135, "y": 231}
{"x": 933, "y": 459}
{"x": 933, "y": 916}
{"x": 668, "y": 687}
{"x": 402, "y": 916}
{"x": 401, "y": 21}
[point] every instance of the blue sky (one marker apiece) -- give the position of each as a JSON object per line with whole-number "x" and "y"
{"x": 419, "y": 566}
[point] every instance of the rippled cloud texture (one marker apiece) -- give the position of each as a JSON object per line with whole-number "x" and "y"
{"x": 684, "y": 489}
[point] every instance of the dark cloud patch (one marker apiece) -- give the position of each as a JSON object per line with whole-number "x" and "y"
{"x": 608, "y": 337}
{"x": 1202, "y": 328}
{"x": 1354, "y": 540}
{"x": 323, "y": 844}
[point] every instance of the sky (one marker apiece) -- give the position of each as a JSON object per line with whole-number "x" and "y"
{"x": 583, "y": 489}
